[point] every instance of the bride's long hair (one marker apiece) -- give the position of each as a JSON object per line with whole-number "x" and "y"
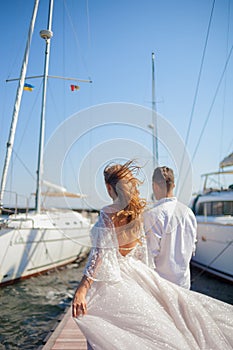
{"x": 122, "y": 178}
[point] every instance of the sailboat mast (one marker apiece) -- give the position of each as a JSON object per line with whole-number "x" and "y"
{"x": 154, "y": 117}
{"x": 46, "y": 35}
{"x": 18, "y": 98}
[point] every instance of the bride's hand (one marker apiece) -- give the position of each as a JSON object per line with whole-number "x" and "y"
{"x": 79, "y": 305}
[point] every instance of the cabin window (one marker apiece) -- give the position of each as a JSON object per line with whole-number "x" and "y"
{"x": 228, "y": 208}
{"x": 204, "y": 209}
{"x": 200, "y": 209}
{"x": 216, "y": 208}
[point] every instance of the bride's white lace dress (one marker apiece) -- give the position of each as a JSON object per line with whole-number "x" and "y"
{"x": 131, "y": 307}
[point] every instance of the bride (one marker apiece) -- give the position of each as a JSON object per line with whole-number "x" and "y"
{"x": 123, "y": 304}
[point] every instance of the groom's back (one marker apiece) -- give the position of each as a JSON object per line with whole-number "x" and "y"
{"x": 171, "y": 232}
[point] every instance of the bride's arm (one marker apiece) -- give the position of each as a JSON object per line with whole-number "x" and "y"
{"x": 79, "y": 305}
{"x": 102, "y": 264}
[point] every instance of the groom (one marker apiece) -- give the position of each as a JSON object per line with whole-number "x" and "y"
{"x": 170, "y": 228}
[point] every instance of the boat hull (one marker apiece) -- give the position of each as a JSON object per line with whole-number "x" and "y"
{"x": 214, "y": 251}
{"x": 34, "y": 244}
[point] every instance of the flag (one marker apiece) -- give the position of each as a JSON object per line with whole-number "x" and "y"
{"x": 74, "y": 87}
{"x": 28, "y": 87}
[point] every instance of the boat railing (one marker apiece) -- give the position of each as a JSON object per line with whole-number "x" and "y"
{"x": 14, "y": 207}
{"x": 216, "y": 178}
{"x": 21, "y": 221}
{"x": 5, "y": 223}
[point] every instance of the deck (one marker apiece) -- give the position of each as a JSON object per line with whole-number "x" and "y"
{"x": 66, "y": 336}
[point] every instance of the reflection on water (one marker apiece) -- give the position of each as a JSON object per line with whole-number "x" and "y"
{"x": 30, "y": 308}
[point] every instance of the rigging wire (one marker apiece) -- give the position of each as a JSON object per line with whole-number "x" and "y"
{"x": 88, "y": 25}
{"x": 30, "y": 115}
{"x": 213, "y": 101}
{"x": 225, "y": 83}
{"x": 23, "y": 164}
{"x": 209, "y": 113}
{"x": 71, "y": 163}
{"x": 16, "y": 154}
{"x": 90, "y": 138}
{"x": 63, "y": 59}
{"x": 230, "y": 147}
{"x": 59, "y": 113}
{"x": 198, "y": 84}
{"x": 75, "y": 35}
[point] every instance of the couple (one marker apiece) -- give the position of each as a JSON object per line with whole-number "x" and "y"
{"x": 122, "y": 303}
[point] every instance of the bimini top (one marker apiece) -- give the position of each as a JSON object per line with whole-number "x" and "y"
{"x": 227, "y": 161}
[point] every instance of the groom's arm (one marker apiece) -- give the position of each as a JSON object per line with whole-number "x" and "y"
{"x": 153, "y": 233}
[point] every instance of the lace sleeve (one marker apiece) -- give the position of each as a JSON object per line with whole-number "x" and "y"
{"x": 102, "y": 264}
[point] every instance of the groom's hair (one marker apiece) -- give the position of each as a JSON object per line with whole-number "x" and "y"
{"x": 164, "y": 175}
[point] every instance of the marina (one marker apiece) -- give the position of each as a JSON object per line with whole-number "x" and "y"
{"x": 43, "y": 243}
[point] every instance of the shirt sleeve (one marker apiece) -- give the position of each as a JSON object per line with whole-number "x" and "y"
{"x": 194, "y": 234}
{"x": 102, "y": 264}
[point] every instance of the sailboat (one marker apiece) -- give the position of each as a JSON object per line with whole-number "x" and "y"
{"x": 213, "y": 208}
{"x": 41, "y": 239}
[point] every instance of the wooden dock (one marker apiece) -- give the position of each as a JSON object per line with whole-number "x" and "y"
{"x": 66, "y": 336}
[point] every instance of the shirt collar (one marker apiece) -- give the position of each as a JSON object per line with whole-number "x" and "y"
{"x": 166, "y": 199}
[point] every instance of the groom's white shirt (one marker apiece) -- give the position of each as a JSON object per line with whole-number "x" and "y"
{"x": 170, "y": 228}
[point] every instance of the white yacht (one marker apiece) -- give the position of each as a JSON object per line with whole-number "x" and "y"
{"x": 214, "y": 212}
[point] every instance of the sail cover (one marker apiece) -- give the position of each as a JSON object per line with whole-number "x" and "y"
{"x": 227, "y": 161}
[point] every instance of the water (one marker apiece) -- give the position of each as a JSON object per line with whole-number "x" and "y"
{"x": 211, "y": 286}
{"x": 29, "y": 309}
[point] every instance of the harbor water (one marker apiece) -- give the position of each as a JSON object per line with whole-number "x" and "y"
{"x": 30, "y": 309}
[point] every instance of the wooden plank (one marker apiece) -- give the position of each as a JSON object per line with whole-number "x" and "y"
{"x": 66, "y": 336}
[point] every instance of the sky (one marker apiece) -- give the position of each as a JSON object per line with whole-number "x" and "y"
{"x": 111, "y": 42}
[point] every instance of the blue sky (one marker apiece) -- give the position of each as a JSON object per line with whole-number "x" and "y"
{"x": 112, "y": 42}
